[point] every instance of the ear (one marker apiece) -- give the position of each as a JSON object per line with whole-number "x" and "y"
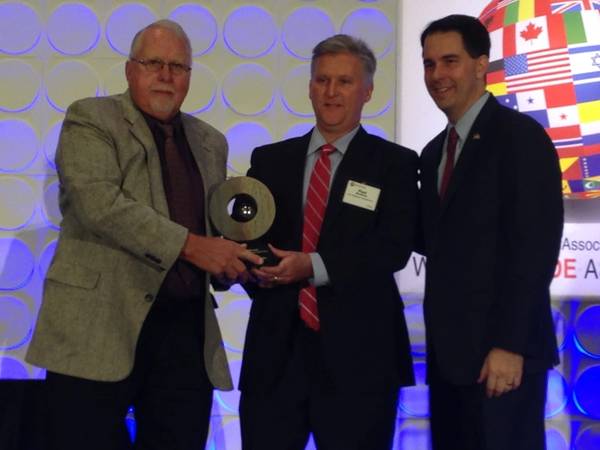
{"x": 483, "y": 62}
{"x": 128, "y": 70}
{"x": 369, "y": 92}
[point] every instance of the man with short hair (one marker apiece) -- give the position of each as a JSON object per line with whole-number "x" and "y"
{"x": 127, "y": 318}
{"x": 492, "y": 218}
{"x": 327, "y": 347}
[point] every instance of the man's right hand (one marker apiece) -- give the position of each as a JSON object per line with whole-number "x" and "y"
{"x": 219, "y": 257}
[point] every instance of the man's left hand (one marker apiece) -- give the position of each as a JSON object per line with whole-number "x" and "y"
{"x": 292, "y": 267}
{"x": 502, "y": 370}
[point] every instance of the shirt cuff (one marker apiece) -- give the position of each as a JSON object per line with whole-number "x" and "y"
{"x": 320, "y": 275}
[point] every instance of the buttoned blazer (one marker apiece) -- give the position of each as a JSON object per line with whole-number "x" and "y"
{"x": 491, "y": 244}
{"x": 363, "y": 331}
{"x": 116, "y": 241}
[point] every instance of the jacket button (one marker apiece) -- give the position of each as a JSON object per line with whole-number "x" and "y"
{"x": 149, "y": 298}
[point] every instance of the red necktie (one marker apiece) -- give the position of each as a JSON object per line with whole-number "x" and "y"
{"x": 449, "y": 167}
{"x": 314, "y": 210}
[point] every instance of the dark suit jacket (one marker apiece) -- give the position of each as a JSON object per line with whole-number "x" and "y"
{"x": 492, "y": 245}
{"x": 364, "y": 334}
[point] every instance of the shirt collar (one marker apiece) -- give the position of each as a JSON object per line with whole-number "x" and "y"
{"x": 154, "y": 123}
{"x": 464, "y": 124}
{"x": 341, "y": 144}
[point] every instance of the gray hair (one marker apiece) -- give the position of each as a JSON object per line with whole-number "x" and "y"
{"x": 342, "y": 43}
{"x": 174, "y": 27}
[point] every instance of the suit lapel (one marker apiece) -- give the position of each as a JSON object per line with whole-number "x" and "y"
{"x": 430, "y": 161}
{"x": 356, "y": 157}
{"x": 139, "y": 129}
{"x": 203, "y": 156}
{"x": 295, "y": 161}
{"x": 195, "y": 136}
{"x": 472, "y": 145}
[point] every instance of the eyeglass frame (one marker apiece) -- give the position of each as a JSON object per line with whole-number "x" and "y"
{"x": 174, "y": 67}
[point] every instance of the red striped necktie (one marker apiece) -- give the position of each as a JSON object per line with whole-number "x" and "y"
{"x": 314, "y": 211}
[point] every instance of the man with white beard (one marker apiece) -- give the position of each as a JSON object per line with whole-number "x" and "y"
{"x": 127, "y": 318}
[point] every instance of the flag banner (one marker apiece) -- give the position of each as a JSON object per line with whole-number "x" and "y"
{"x": 537, "y": 70}
{"x": 545, "y": 62}
{"x": 531, "y": 100}
{"x": 560, "y": 95}
{"x": 532, "y": 35}
{"x": 589, "y": 112}
{"x": 563, "y": 116}
{"x": 508, "y": 100}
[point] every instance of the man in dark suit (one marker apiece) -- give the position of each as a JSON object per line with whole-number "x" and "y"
{"x": 492, "y": 218}
{"x": 333, "y": 368}
{"x": 126, "y": 318}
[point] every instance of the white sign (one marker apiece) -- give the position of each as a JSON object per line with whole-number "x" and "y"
{"x": 577, "y": 269}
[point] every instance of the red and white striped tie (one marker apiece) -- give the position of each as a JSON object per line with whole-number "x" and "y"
{"x": 314, "y": 210}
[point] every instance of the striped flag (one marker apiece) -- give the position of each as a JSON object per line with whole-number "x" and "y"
{"x": 582, "y": 27}
{"x": 564, "y": 134}
{"x": 493, "y": 16}
{"x": 568, "y": 143}
{"x": 591, "y": 128}
{"x": 516, "y": 11}
{"x": 537, "y": 70}
{"x": 585, "y": 66}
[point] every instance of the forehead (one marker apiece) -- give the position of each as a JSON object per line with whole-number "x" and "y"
{"x": 338, "y": 63}
{"x": 159, "y": 41}
{"x": 439, "y": 44}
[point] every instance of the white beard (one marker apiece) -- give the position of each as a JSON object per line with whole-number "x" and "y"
{"x": 162, "y": 106}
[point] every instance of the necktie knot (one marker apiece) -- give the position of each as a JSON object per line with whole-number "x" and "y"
{"x": 167, "y": 129}
{"x": 327, "y": 149}
{"x": 452, "y": 141}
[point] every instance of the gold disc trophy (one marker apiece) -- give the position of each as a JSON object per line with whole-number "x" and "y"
{"x": 242, "y": 209}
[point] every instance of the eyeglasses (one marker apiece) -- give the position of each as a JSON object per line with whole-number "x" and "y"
{"x": 156, "y": 65}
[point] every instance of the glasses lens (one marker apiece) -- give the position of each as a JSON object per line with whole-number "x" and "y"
{"x": 154, "y": 65}
{"x": 176, "y": 68}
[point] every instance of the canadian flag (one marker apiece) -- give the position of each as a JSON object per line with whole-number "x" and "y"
{"x": 532, "y": 34}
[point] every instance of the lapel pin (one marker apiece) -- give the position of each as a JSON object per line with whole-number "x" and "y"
{"x": 476, "y": 136}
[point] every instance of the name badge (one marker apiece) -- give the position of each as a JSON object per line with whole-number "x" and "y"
{"x": 361, "y": 195}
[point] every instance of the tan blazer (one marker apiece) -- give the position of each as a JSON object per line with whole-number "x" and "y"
{"x": 116, "y": 241}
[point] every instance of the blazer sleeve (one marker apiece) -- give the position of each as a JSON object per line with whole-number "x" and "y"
{"x": 532, "y": 212}
{"x": 93, "y": 172}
